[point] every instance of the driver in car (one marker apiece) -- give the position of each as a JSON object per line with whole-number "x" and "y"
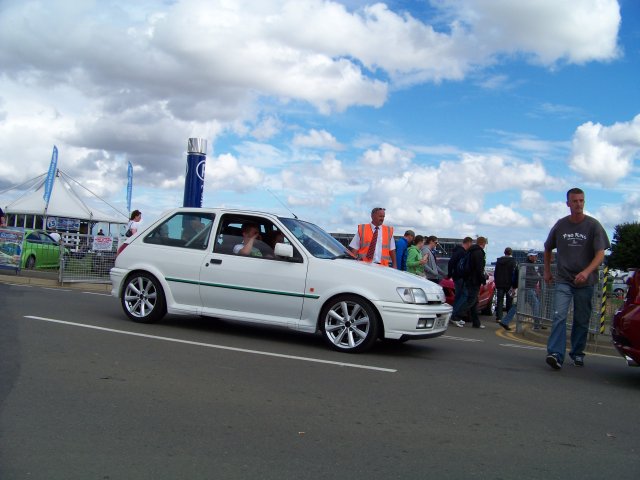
{"x": 250, "y": 234}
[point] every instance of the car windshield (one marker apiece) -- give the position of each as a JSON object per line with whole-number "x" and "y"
{"x": 318, "y": 242}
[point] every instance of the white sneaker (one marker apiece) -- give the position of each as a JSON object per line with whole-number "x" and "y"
{"x": 458, "y": 323}
{"x": 462, "y": 322}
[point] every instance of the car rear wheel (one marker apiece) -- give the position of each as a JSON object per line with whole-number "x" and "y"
{"x": 349, "y": 324}
{"x": 142, "y": 298}
{"x": 30, "y": 263}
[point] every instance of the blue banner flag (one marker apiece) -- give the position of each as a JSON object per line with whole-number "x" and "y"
{"x": 129, "y": 185}
{"x": 51, "y": 176}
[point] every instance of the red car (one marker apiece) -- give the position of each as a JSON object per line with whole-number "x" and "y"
{"x": 486, "y": 296}
{"x": 625, "y": 332}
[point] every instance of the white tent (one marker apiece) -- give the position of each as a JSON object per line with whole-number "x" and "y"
{"x": 64, "y": 202}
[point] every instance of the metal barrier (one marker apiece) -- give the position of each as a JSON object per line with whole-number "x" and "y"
{"x": 88, "y": 259}
{"x": 535, "y": 300}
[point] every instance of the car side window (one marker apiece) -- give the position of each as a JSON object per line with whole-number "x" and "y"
{"x": 186, "y": 230}
{"x": 230, "y": 238}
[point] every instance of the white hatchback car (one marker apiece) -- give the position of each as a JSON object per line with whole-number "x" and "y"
{"x": 294, "y": 275}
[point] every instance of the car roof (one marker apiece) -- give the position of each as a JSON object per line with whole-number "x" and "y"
{"x": 221, "y": 210}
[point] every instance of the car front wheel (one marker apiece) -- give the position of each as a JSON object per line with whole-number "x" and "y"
{"x": 30, "y": 263}
{"x": 349, "y": 324}
{"x": 142, "y": 298}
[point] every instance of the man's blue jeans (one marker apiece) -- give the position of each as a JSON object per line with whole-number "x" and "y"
{"x": 582, "y": 308}
{"x": 460, "y": 297}
{"x": 501, "y": 293}
{"x": 531, "y": 297}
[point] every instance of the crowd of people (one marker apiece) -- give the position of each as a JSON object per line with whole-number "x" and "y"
{"x": 417, "y": 254}
{"x": 578, "y": 239}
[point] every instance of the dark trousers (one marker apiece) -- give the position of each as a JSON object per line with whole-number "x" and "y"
{"x": 472, "y": 304}
{"x": 500, "y": 294}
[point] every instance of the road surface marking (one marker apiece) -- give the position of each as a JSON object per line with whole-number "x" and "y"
{"x": 462, "y": 339}
{"x": 210, "y": 345}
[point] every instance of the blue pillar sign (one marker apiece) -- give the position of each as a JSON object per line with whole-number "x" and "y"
{"x": 194, "y": 177}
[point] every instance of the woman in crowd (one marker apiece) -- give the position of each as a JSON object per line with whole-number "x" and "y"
{"x": 415, "y": 260}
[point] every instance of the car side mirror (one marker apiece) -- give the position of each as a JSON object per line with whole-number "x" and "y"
{"x": 283, "y": 250}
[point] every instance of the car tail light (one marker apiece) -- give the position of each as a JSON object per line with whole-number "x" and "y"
{"x": 121, "y": 249}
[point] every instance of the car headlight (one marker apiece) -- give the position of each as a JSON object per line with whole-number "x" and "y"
{"x": 412, "y": 295}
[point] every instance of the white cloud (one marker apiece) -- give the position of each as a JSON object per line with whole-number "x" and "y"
{"x": 387, "y": 156}
{"x": 605, "y": 154}
{"x": 503, "y": 216}
{"x": 316, "y": 182}
{"x": 134, "y": 78}
{"x": 320, "y": 139}
{"x": 615, "y": 214}
{"x": 267, "y": 128}
{"x": 548, "y": 31}
{"x": 226, "y": 173}
{"x": 454, "y": 187}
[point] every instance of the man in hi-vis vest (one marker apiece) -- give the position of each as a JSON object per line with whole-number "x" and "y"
{"x": 374, "y": 241}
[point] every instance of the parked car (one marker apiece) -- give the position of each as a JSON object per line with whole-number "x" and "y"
{"x": 185, "y": 264}
{"x": 39, "y": 250}
{"x": 619, "y": 287}
{"x": 486, "y": 295}
{"x": 625, "y": 332}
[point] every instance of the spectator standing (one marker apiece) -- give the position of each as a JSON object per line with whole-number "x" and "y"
{"x": 3, "y": 219}
{"x": 475, "y": 277}
{"x": 503, "y": 276}
{"x": 134, "y": 223}
{"x": 415, "y": 260}
{"x": 504, "y": 323}
{"x": 458, "y": 280}
{"x": 431, "y": 270}
{"x": 402, "y": 246}
{"x": 532, "y": 284}
{"x": 580, "y": 241}
{"x": 373, "y": 242}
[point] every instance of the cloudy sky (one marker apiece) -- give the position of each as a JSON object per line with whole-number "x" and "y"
{"x": 461, "y": 117}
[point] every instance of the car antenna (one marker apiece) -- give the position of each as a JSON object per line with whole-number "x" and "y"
{"x": 282, "y": 203}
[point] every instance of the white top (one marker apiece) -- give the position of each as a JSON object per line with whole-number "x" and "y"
{"x": 134, "y": 226}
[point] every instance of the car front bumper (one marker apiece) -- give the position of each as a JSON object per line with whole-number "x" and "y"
{"x": 405, "y": 321}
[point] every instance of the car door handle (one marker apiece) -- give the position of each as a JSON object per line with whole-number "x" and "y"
{"x": 215, "y": 261}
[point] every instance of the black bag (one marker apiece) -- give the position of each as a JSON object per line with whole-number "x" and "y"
{"x": 128, "y": 233}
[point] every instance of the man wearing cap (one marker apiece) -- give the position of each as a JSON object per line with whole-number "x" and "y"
{"x": 580, "y": 241}
{"x": 401, "y": 249}
{"x": 373, "y": 242}
{"x": 532, "y": 280}
{"x": 503, "y": 276}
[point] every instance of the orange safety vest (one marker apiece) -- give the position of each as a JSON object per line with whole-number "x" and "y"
{"x": 365, "y": 232}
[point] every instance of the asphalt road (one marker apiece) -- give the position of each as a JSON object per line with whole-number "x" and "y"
{"x": 87, "y": 394}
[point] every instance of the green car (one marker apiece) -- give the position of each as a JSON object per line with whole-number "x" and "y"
{"x": 39, "y": 250}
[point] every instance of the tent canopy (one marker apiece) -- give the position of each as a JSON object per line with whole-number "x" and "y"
{"x": 64, "y": 202}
